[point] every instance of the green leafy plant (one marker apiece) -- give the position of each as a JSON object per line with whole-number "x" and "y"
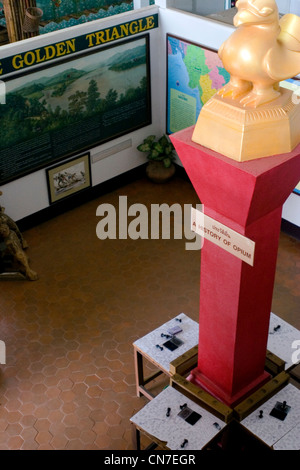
{"x": 161, "y": 150}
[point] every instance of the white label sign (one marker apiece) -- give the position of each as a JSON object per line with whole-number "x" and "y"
{"x": 223, "y": 236}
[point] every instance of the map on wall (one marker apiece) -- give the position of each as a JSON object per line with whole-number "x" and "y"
{"x": 194, "y": 75}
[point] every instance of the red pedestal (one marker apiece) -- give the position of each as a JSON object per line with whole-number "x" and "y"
{"x": 236, "y": 298}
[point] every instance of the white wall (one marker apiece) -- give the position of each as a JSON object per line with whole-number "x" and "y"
{"x": 198, "y": 6}
{"x": 140, "y": 4}
{"x": 289, "y": 6}
{"x": 204, "y": 7}
{"x": 27, "y": 195}
{"x": 291, "y": 210}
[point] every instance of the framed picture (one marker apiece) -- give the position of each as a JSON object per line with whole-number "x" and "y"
{"x": 69, "y": 178}
{"x": 194, "y": 74}
{"x": 74, "y": 105}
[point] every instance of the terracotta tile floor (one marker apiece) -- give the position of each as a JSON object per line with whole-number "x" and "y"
{"x": 69, "y": 379}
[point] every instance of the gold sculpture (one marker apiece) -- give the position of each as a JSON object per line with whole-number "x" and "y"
{"x": 252, "y": 116}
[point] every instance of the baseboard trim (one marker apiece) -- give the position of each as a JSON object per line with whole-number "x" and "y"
{"x": 290, "y": 229}
{"x": 81, "y": 198}
{"x": 106, "y": 187}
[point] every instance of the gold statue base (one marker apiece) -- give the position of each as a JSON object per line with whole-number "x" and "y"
{"x": 245, "y": 133}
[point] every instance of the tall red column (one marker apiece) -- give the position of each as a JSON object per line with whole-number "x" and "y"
{"x": 236, "y": 298}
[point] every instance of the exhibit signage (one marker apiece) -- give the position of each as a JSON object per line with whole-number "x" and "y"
{"x": 226, "y": 238}
{"x": 41, "y": 55}
{"x": 74, "y": 104}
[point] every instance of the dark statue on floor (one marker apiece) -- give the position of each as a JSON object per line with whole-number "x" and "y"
{"x": 12, "y": 246}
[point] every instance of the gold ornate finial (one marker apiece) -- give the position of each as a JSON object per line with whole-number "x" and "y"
{"x": 260, "y": 53}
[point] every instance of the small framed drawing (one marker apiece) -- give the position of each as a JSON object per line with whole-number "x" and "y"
{"x": 69, "y": 177}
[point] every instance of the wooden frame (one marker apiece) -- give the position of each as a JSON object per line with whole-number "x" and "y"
{"x": 141, "y": 380}
{"x": 181, "y": 367}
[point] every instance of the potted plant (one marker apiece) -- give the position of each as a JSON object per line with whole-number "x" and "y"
{"x": 161, "y": 154}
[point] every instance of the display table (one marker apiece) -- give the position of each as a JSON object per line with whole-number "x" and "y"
{"x": 276, "y": 433}
{"x": 281, "y": 338}
{"x": 291, "y": 441}
{"x": 166, "y": 432}
{"x": 173, "y": 432}
{"x": 151, "y": 347}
